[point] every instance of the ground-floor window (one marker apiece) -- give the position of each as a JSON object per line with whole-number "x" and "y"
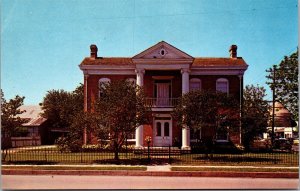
{"x": 222, "y": 134}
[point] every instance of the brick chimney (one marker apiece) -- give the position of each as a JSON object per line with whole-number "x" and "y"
{"x": 232, "y": 51}
{"x": 94, "y": 51}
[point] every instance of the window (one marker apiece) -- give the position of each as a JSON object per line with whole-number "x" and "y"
{"x": 222, "y": 135}
{"x": 195, "y": 134}
{"x": 131, "y": 80}
{"x": 222, "y": 85}
{"x": 103, "y": 81}
{"x": 158, "y": 129}
{"x": 166, "y": 129}
{"x": 195, "y": 84}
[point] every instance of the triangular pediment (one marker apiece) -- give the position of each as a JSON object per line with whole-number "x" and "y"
{"x": 162, "y": 50}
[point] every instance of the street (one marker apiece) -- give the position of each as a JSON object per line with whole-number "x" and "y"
{"x": 142, "y": 182}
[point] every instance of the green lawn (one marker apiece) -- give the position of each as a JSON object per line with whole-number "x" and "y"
{"x": 75, "y": 168}
{"x": 53, "y": 156}
{"x": 234, "y": 169}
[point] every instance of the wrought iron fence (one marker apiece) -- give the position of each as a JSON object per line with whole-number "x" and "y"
{"x": 143, "y": 156}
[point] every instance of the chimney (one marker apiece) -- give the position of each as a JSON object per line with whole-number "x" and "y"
{"x": 94, "y": 51}
{"x": 232, "y": 50}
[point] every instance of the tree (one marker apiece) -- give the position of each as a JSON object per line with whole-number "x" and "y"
{"x": 119, "y": 111}
{"x": 255, "y": 114}
{"x": 10, "y": 121}
{"x": 60, "y": 106}
{"x": 286, "y": 83}
{"x": 207, "y": 109}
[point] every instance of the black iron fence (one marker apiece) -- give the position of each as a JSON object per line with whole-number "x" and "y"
{"x": 143, "y": 156}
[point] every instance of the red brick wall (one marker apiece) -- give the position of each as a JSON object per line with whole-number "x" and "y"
{"x": 208, "y": 83}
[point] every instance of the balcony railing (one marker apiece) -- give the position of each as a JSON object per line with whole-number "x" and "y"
{"x": 161, "y": 102}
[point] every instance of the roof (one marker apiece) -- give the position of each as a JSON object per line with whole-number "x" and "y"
{"x": 32, "y": 113}
{"x": 199, "y": 61}
{"x": 120, "y": 61}
{"x": 219, "y": 62}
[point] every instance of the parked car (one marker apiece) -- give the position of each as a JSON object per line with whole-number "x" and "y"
{"x": 282, "y": 144}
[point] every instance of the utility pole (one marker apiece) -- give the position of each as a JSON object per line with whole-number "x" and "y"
{"x": 273, "y": 102}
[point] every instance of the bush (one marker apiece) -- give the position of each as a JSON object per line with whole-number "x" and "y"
{"x": 66, "y": 144}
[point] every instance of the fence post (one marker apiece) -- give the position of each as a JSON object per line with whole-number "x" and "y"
{"x": 169, "y": 154}
{"x": 149, "y": 159}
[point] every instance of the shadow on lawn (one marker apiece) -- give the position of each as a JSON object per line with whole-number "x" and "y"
{"x": 235, "y": 159}
{"x": 137, "y": 161}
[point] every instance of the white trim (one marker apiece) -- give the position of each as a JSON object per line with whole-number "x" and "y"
{"x": 164, "y": 45}
{"x": 162, "y": 77}
{"x": 162, "y": 66}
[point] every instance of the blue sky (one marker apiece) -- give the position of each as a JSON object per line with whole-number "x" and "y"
{"x": 44, "y": 41}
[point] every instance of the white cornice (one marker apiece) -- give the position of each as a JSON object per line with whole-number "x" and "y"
{"x": 162, "y": 66}
{"x": 163, "y": 60}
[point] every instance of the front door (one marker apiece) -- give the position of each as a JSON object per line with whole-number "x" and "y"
{"x": 162, "y": 133}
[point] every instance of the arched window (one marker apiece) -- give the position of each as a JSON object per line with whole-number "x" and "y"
{"x": 102, "y": 81}
{"x": 222, "y": 85}
{"x": 195, "y": 84}
{"x": 131, "y": 80}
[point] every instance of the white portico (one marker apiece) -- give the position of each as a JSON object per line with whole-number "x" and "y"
{"x": 163, "y": 57}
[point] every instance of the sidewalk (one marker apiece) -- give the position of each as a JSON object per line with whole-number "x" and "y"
{"x": 159, "y": 170}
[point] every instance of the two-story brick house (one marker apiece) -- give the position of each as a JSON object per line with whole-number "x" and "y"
{"x": 166, "y": 73}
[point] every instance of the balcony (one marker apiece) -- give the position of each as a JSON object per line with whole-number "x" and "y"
{"x": 161, "y": 102}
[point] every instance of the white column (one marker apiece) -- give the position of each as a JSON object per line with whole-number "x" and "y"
{"x": 185, "y": 128}
{"x": 139, "y": 131}
{"x": 185, "y": 80}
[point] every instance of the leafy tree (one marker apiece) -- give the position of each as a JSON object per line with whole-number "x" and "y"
{"x": 286, "y": 83}
{"x": 60, "y": 106}
{"x": 120, "y": 110}
{"x": 255, "y": 114}
{"x": 10, "y": 121}
{"x": 207, "y": 109}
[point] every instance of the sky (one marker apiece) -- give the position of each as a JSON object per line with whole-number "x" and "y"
{"x": 44, "y": 41}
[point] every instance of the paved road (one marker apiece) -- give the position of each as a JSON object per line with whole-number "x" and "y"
{"x": 141, "y": 182}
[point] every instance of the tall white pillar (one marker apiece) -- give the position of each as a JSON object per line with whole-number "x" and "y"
{"x": 139, "y": 131}
{"x": 185, "y": 128}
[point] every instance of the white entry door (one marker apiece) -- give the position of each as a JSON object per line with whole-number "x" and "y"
{"x": 162, "y": 133}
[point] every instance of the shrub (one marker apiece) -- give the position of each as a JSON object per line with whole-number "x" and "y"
{"x": 65, "y": 144}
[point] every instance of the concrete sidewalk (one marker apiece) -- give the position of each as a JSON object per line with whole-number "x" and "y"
{"x": 159, "y": 170}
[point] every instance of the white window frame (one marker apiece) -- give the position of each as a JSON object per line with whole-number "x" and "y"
{"x": 132, "y": 80}
{"x": 195, "y": 80}
{"x": 222, "y": 80}
{"x": 101, "y": 81}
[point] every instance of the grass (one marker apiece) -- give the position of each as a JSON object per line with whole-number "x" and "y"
{"x": 74, "y": 168}
{"x": 234, "y": 169}
{"x": 53, "y": 156}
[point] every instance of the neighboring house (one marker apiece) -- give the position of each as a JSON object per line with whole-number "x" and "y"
{"x": 284, "y": 126}
{"x": 35, "y": 125}
{"x": 166, "y": 73}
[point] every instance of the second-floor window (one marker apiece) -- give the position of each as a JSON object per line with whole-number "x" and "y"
{"x": 131, "y": 80}
{"x": 195, "y": 84}
{"x": 222, "y": 85}
{"x": 102, "y": 81}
